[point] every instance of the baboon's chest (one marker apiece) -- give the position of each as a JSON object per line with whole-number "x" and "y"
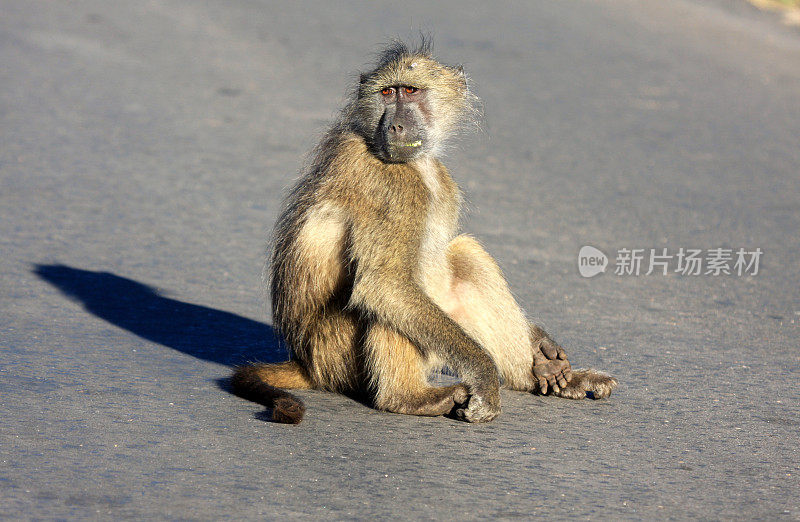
{"x": 440, "y": 226}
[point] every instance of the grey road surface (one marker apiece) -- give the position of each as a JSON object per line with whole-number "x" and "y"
{"x": 144, "y": 151}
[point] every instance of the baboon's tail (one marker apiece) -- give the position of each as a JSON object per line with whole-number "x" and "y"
{"x": 262, "y": 383}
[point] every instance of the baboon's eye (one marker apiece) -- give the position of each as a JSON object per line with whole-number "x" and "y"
{"x": 411, "y": 90}
{"x": 387, "y": 91}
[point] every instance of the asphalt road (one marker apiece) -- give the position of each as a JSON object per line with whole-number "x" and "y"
{"x": 144, "y": 151}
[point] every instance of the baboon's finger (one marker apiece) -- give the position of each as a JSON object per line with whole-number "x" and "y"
{"x": 542, "y": 385}
{"x": 550, "y": 349}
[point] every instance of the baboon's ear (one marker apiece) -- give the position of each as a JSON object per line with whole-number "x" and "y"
{"x": 461, "y": 75}
{"x": 362, "y": 79}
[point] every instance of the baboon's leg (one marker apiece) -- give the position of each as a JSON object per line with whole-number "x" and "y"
{"x": 398, "y": 375}
{"x": 478, "y": 299}
{"x": 330, "y": 351}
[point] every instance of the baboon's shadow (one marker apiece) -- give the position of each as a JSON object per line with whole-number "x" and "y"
{"x": 202, "y": 332}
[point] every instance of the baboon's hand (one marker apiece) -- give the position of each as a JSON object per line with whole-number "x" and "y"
{"x": 481, "y": 406}
{"x": 555, "y": 373}
{"x": 551, "y": 367}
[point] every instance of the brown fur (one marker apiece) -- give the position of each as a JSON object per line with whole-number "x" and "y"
{"x": 262, "y": 383}
{"x": 373, "y": 289}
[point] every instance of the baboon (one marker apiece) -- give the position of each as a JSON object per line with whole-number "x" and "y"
{"x": 371, "y": 286}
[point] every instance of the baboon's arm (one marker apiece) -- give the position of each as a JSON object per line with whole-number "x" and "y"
{"x": 386, "y": 289}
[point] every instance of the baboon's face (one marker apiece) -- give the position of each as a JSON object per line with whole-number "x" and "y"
{"x": 401, "y": 134}
{"x": 408, "y": 106}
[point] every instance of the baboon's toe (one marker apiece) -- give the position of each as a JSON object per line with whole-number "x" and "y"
{"x": 461, "y": 395}
{"x": 590, "y": 384}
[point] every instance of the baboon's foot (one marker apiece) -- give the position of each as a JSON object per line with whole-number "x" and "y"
{"x": 479, "y": 407}
{"x": 557, "y": 373}
{"x": 429, "y": 402}
{"x": 590, "y": 384}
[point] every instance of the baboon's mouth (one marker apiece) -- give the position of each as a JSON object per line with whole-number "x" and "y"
{"x": 403, "y": 150}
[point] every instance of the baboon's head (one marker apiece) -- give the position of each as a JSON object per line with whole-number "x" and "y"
{"x": 410, "y": 103}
